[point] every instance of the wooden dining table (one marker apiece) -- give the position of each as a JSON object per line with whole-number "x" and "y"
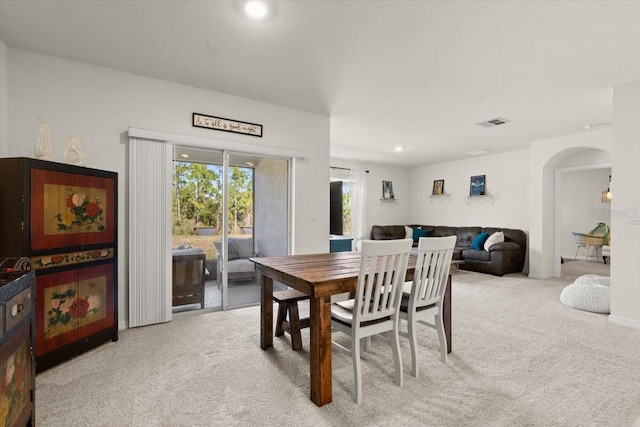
{"x": 320, "y": 276}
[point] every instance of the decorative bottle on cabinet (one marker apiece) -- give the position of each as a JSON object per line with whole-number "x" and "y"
{"x": 43, "y": 149}
{"x": 63, "y": 217}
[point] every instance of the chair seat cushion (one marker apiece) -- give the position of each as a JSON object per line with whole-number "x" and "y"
{"x": 241, "y": 265}
{"x": 342, "y": 312}
{"x": 404, "y": 304}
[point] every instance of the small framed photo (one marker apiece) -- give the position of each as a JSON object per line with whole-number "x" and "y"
{"x": 387, "y": 190}
{"x": 438, "y": 187}
{"x": 477, "y": 185}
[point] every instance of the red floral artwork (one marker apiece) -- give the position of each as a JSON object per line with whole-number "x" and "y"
{"x": 80, "y": 211}
{"x": 79, "y": 308}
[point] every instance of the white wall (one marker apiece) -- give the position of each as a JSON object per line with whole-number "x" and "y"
{"x": 102, "y": 104}
{"x": 4, "y": 98}
{"x": 379, "y": 212}
{"x": 625, "y": 249}
{"x": 580, "y": 207}
{"x": 507, "y": 180}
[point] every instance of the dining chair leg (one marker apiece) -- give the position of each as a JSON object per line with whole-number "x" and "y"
{"x": 411, "y": 331}
{"x": 397, "y": 356}
{"x": 441, "y": 337}
{"x": 367, "y": 343}
{"x": 357, "y": 370}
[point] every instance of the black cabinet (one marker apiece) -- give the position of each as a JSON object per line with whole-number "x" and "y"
{"x": 64, "y": 218}
{"x": 17, "y": 367}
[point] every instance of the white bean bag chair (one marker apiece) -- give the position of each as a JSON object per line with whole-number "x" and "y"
{"x": 589, "y": 293}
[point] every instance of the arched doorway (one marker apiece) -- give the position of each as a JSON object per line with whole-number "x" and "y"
{"x": 544, "y": 256}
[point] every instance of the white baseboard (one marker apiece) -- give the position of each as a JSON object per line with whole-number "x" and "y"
{"x": 622, "y": 321}
{"x": 122, "y": 325}
{"x": 538, "y": 277}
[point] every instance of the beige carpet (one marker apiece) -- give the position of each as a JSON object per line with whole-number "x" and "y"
{"x": 520, "y": 358}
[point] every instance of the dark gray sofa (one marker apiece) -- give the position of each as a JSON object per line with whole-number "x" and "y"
{"x": 501, "y": 258}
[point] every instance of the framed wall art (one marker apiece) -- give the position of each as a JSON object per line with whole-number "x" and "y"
{"x": 387, "y": 190}
{"x": 477, "y": 185}
{"x": 438, "y": 187}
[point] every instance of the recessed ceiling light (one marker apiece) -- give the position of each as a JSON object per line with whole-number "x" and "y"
{"x": 477, "y": 152}
{"x": 256, "y": 9}
{"x": 597, "y": 125}
{"x": 398, "y": 148}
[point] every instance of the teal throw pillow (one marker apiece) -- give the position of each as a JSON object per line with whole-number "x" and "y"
{"x": 418, "y": 233}
{"x": 478, "y": 241}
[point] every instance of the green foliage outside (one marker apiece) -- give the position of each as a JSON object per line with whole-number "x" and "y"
{"x": 346, "y": 208}
{"x": 197, "y": 197}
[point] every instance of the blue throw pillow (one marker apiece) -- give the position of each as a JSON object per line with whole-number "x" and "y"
{"x": 418, "y": 233}
{"x": 478, "y": 241}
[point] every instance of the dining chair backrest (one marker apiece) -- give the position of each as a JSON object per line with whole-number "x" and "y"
{"x": 382, "y": 274}
{"x": 432, "y": 270}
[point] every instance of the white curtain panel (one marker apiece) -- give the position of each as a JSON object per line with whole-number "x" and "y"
{"x": 358, "y": 202}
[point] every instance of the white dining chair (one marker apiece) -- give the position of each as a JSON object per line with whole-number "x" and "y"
{"x": 376, "y": 304}
{"x": 423, "y": 297}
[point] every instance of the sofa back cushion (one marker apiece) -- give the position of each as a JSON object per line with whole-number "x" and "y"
{"x": 243, "y": 247}
{"x": 443, "y": 231}
{"x": 511, "y": 235}
{"x": 387, "y": 232}
{"x": 238, "y": 248}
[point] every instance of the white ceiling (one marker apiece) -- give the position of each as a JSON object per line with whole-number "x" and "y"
{"x": 410, "y": 73}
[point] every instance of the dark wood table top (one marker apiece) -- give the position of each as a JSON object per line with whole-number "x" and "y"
{"x": 319, "y": 275}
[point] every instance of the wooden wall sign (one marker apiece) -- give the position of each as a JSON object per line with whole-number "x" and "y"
{"x": 226, "y": 125}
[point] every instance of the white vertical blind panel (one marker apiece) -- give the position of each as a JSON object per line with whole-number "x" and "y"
{"x": 150, "y": 166}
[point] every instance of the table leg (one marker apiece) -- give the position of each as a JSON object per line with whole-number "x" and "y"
{"x": 320, "y": 351}
{"x": 266, "y": 311}
{"x": 446, "y": 314}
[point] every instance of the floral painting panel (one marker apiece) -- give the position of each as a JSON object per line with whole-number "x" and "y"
{"x": 59, "y": 316}
{"x": 74, "y": 209}
{"x": 15, "y": 379}
{"x": 91, "y": 303}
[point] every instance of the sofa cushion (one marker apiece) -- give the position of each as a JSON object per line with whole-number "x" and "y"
{"x": 418, "y": 233}
{"x": 388, "y": 232}
{"x": 241, "y": 265}
{"x": 478, "y": 241}
{"x": 243, "y": 248}
{"x": 466, "y": 235}
{"x": 237, "y": 248}
{"x": 408, "y": 232}
{"x": 497, "y": 237}
{"x": 476, "y": 255}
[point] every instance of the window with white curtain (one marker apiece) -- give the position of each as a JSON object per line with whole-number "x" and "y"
{"x": 353, "y": 197}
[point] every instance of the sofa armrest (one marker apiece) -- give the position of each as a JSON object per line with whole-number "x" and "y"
{"x": 504, "y": 246}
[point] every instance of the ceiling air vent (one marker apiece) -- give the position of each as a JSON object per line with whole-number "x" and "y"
{"x": 493, "y": 122}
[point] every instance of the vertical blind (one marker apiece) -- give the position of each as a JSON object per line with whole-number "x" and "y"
{"x": 149, "y": 231}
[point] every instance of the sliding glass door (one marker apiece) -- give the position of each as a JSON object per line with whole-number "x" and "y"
{"x": 257, "y": 222}
{"x": 229, "y": 207}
